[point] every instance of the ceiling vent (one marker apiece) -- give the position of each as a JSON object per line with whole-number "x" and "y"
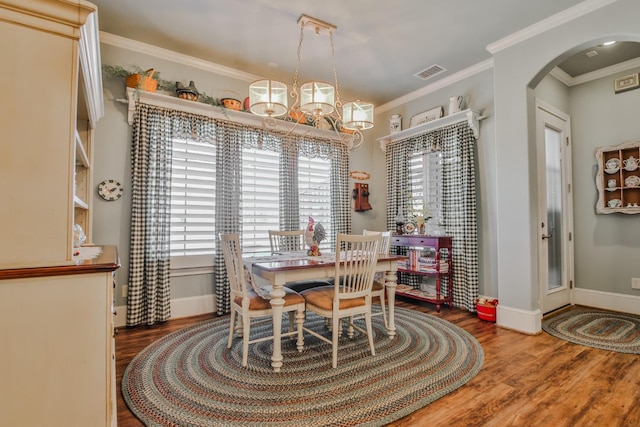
{"x": 427, "y": 73}
{"x": 592, "y": 53}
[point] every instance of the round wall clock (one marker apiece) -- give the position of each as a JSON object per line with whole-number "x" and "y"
{"x": 110, "y": 190}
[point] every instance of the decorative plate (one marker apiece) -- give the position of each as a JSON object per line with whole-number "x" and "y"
{"x": 360, "y": 175}
{"x": 110, "y": 190}
{"x": 409, "y": 227}
{"x": 610, "y": 171}
{"x": 632, "y": 181}
{"x": 612, "y": 164}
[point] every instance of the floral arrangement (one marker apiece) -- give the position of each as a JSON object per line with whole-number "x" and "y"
{"x": 421, "y": 216}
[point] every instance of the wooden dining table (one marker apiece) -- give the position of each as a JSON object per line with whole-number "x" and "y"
{"x": 280, "y": 269}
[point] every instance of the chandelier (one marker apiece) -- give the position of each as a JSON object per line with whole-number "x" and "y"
{"x": 315, "y": 103}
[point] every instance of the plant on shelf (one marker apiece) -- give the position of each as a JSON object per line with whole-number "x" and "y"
{"x": 119, "y": 72}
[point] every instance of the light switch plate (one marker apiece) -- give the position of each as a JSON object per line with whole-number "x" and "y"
{"x": 635, "y": 283}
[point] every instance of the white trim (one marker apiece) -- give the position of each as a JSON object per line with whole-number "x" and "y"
{"x": 472, "y": 117}
{"x": 444, "y": 82}
{"x": 89, "y": 53}
{"x": 607, "y": 300}
{"x": 169, "y": 55}
{"x": 547, "y": 24}
{"x": 528, "y": 322}
{"x": 180, "y": 307}
{"x": 562, "y": 76}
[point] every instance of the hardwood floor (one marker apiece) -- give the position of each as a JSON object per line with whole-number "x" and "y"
{"x": 526, "y": 380}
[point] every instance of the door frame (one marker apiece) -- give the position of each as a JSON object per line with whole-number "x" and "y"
{"x": 550, "y": 301}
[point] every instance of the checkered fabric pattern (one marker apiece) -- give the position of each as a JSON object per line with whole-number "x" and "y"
{"x": 457, "y": 144}
{"x": 154, "y": 130}
{"x": 230, "y": 138}
{"x": 148, "y": 299}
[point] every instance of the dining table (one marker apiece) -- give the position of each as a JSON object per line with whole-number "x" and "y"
{"x": 279, "y": 269}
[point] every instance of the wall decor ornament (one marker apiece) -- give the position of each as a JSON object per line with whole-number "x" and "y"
{"x": 427, "y": 116}
{"x": 623, "y": 84}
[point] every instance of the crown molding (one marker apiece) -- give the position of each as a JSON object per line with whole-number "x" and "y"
{"x": 444, "y": 82}
{"x": 553, "y": 21}
{"x": 594, "y": 75}
{"x": 169, "y": 55}
{"x": 561, "y": 75}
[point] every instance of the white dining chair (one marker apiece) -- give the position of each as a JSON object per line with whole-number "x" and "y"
{"x": 286, "y": 241}
{"x": 247, "y": 305}
{"x": 350, "y": 294}
{"x": 283, "y": 242}
{"x": 378, "y": 291}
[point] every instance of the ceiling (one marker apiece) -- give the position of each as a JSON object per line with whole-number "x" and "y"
{"x": 379, "y": 45}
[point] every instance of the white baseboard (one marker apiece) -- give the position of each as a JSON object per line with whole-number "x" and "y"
{"x": 607, "y": 300}
{"x": 527, "y": 322}
{"x": 180, "y": 307}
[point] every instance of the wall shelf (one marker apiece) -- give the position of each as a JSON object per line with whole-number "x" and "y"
{"x": 470, "y": 116}
{"x": 619, "y": 165}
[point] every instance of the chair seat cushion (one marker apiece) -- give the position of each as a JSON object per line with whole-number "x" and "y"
{"x": 256, "y": 302}
{"x": 322, "y": 297}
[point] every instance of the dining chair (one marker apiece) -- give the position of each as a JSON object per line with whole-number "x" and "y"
{"x": 350, "y": 294}
{"x": 247, "y": 305}
{"x": 378, "y": 291}
{"x": 283, "y": 242}
{"x": 286, "y": 241}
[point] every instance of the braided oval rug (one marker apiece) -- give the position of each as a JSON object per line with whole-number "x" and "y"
{"x": 190, "y": 378}
{"x": 607, "y": 330}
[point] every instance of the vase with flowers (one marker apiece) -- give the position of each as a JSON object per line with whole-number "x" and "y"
{"x": 421, "y": 217}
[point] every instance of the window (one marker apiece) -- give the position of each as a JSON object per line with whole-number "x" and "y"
{"x": 193, "y": 200}
{"x": 425, "y": 170}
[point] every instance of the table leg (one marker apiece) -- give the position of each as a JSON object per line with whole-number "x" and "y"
{"x": 277, "y": 303}
{"x": 390, "y": 284}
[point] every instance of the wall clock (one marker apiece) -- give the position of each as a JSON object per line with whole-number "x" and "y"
{"x": 110, "y": 190}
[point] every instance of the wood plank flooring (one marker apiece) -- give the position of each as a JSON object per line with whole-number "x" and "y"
{"x": 526, "y": 380}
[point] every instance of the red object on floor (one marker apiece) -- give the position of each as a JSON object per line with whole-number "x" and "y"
{"x": 486, "y": 312}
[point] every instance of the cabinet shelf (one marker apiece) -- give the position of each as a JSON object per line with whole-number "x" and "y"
{"x": 440, "y": 257}
{"x": 79, "y": 203}
{"x": 618, "y": 167}
{"x": 82, "y": 159}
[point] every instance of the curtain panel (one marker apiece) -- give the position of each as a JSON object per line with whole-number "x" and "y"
{"x": 154, "y": 130}
{"x": 457, "y": 144}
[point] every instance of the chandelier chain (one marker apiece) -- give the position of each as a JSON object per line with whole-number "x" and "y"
{"x": 335, "y": 74}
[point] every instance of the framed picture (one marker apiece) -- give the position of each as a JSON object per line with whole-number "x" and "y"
{"x": 427, "y": 116}
{"x": 626, "y": 83}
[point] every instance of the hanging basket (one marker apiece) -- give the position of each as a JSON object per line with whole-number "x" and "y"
{"x": 144, "y": 82}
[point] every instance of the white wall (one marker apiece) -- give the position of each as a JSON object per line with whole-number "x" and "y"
{"x": 515, "y": 68}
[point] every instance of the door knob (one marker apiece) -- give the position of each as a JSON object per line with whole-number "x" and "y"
{"x": 546, "y": 236}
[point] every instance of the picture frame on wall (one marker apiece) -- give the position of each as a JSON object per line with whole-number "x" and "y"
{"x": 626, "y": 83}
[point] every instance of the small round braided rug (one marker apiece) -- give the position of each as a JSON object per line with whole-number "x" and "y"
{"x": 607, "y": 330}
{"x": 190, "y": 378}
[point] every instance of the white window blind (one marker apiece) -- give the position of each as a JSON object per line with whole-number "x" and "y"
{"x": 425, "y": 172}
{"x": 259, "y": 200}
{"x": 193, "y": 181}
{"x": 315, "y": 194}
{"x": 193, "y": 200}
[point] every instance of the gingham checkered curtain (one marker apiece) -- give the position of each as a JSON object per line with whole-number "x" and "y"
{"x": 148, "y": 298}
{"x": 154, "y": 130}
{"x": 457, "y": 144}
{"x": 230, "y": 138}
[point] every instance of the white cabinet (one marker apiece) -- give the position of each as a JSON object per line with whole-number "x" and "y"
{"x": 56, "y": 339}
{"x": 50, "y": 97}
{"x": 57, "y": 348}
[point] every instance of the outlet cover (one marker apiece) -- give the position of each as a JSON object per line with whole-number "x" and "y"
{"x": 125, "y": 289}
{"x": 635, "y": 283}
